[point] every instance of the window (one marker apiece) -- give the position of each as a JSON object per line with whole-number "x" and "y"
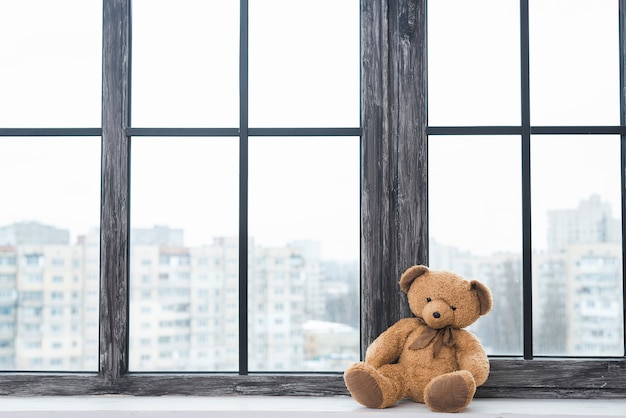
{"x": 239, "y": 124}
{"x": 573, "y": 217}
{"x": 49, "y": 171}
{"x": 574, "y": 206}
{"x": 394, "y": 139}
{"x": 57, "y": 262}
{"x": 233, "y": 132}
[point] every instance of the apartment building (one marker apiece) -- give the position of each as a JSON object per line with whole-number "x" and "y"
{"x": 8, "y": 305}
{"x": 594, "y": 292}
{"x": 48, "y": 299}
{"x": 185, "y": 310}
{"x": 576, "y": 284}
{"x": 184, "y": 304}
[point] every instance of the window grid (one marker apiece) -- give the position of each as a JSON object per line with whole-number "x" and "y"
{"x": 116, "y": 133}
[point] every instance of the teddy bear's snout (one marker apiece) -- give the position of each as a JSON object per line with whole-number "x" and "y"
{"x": 438, "y": 314}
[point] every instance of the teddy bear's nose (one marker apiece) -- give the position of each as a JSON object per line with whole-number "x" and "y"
{"x": 437, "y": 315}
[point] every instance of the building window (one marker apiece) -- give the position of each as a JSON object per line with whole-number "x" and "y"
{"x": 7, "y": 260}
{"x": 57, "y": 262}
{"x": 33, "y": 259}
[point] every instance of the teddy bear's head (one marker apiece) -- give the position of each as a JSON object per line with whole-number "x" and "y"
{"x": 443, "y": 298}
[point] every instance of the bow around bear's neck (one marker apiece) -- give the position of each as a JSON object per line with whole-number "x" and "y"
{"x": 443, "y": 336}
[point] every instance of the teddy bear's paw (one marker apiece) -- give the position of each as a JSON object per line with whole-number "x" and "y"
{"x": 450, "y": 392}
{"x": 364, "y": 387}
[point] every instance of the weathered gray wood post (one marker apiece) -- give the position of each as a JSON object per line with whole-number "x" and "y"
{"x": 394, "y": 172}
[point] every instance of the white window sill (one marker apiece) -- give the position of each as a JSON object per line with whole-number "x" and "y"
{"x": 279, "y": 407}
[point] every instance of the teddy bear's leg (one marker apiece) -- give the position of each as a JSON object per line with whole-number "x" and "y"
{"x": 450, "y": 392}
{"x": 375, "y": 388}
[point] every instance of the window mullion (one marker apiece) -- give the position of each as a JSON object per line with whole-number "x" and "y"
{"x": 526, "y": 183}
{"x": 115, "y": 185}
{"x": 394, "y": 220}
{"x": 622, "y": 102}
{"x": 243, "y": 188}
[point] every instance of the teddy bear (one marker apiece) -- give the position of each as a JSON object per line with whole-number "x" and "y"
{"x": 429, "y": 358}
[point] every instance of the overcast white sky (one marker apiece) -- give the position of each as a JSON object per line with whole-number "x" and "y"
{"x": 304, "y": 72}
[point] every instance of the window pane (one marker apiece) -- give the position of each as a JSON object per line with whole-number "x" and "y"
{"x": 304, "y": 63}
{"x": 184, "y": 254}
{"x": 574, "y": 62}
{"x": 51, "y": 59}
{"x": 185, "y": 63}
{"x": 577, "y": 262}
{"x": 49, "y": 253}
{"x": 475, "y": 226}
{"x": 304, "y": 273}
{"x": 473, "y": 75}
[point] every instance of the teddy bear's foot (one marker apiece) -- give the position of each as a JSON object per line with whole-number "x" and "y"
{"x": 450, "y": 392}
{"x": 376, "y": 387}
{"x": 363, "y": 386}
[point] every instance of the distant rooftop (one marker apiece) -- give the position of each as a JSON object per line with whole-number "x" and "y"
{"x": 33, "y": 233}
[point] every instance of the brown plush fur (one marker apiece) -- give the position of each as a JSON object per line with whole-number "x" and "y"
{"x": 430, "y": 358}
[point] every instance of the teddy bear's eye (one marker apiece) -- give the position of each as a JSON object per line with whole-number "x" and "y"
{"x": 453, "y": 307}
{"x": 428, "y": 299}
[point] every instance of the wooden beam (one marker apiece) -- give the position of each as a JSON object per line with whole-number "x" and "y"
{"x": 114, "y": 227}
{"x": 394, "y": 199}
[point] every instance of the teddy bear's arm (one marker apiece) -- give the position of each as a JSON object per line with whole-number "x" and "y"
{"x": 389, "y": 345}
{"x": 471, "y": 356}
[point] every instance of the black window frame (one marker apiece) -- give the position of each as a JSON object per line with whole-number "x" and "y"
{"x": 394, "y": 220}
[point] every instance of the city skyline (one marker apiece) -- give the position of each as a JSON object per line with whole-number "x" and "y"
{"x": 184, "y": 299}
{"x": 183, "y": 304}
{"x": 608, "y": 207}
{"x": 576, "y": 286}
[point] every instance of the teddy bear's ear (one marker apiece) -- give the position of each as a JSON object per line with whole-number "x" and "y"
{"x": 409, "y": 275}
{"x": 484, "y": 296}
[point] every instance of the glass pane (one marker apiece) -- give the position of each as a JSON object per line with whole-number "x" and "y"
{"x": 475, "y": 226}
{"x": 304, "y": 270}
{"x": 574, "y": 62}
{"x": 184, "y": 254}
{"x": 473, "y": 75}
{"x": 304, "y": 63}
{"x": 51, "y": 63}
{"x": 49, "y": 253}
{"x": 185, "y": 63}
{"x": 577, "y": 261}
